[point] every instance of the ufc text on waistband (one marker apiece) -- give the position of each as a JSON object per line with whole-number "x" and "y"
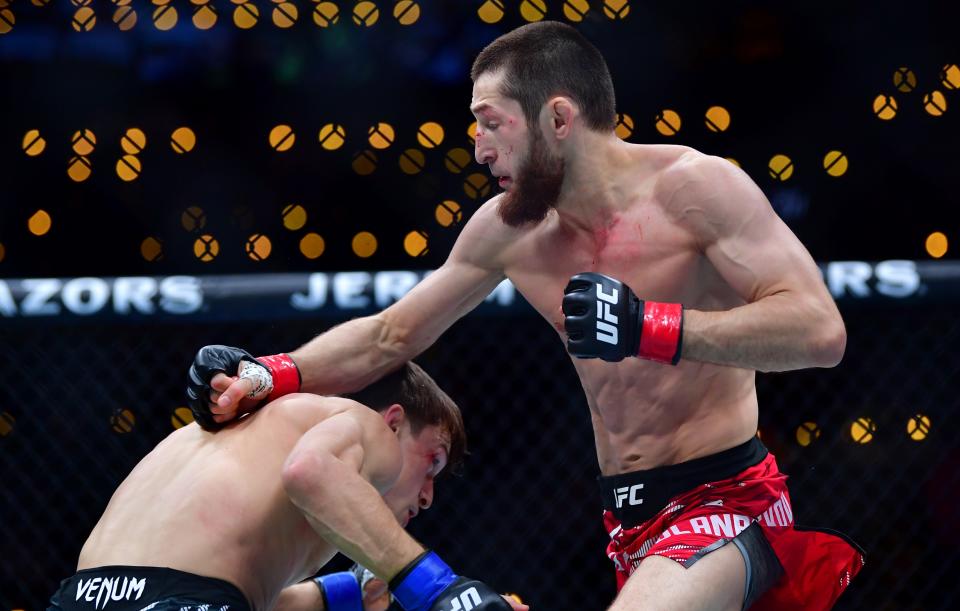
{"x": 637, "y": 496}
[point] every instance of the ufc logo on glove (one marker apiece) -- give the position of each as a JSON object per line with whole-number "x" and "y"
{"x": 466, "y": 601}
{"x": 606, "y": 320}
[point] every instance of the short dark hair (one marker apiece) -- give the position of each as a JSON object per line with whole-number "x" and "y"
{"x": 550, "y": 58}
{"x": 424, "y": 403}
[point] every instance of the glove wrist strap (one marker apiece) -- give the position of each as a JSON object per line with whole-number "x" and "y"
{"x": 340, "y": 592}
{"x": 661, "y": 332}
{"x": 421, "y": 582}
{"x": 286, "y": 374}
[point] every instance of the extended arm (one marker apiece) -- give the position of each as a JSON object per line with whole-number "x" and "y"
{"x": 356, "y": 353}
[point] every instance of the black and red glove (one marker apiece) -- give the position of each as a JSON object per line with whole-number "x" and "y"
{"x": 273, "y": 376}
{"x": 605, "y": 320}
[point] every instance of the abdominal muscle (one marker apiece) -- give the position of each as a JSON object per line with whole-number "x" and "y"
{"x": 648, "y": 414}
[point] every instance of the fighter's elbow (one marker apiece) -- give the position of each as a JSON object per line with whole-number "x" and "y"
{"x": 829, "y": 344}
{"x": 302, "y": 474}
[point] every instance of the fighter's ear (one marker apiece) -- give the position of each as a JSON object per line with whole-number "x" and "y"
{"x": 562, "y": 111}
{"x": 394, "y": 416}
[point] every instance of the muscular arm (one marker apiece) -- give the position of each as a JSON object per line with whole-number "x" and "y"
{"x": 789, "y": 321}
{"x": 352, "y": 355}
{"x": 336, "y": 474}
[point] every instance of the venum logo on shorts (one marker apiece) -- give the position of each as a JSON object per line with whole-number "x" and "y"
{"x": 101, "y": 590}
{"x": 630, "y": 494}
{"x": 606, "y": 321}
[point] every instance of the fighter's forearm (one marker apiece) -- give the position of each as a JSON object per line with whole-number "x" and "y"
{"x": 350, "y": 356}
{"x": 349, "y": 513}
{"x": 780, "y": 332}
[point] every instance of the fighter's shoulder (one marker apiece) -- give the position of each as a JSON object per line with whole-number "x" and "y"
{"x": 486, "y": 239}
{"x": 308, "y": 410}
{"x": 684, "y": 172}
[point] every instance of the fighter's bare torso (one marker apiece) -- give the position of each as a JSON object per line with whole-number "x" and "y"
{"x": 214, "y": 505}
{"x": 644, "y": 414}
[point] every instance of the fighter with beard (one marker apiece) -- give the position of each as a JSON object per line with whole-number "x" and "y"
{"x": 698, "y": 513}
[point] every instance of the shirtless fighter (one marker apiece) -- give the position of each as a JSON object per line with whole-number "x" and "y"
{"x": 586, "y": 224}
{"x": 226, "y": 520}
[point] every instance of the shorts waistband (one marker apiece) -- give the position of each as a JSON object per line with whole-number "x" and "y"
{"x": 119, "y": 587}
{"x": 637, "y": 496}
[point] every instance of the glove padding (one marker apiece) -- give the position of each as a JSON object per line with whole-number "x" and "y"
{"x": 340, "y": 591}
{"x": 429, "y": 584}
{"x": 469, "y": 594}
{"x": 209, "y": 361}
{"x": 602, "y": 317}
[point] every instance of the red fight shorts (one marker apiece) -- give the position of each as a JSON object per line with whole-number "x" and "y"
{"x": 787, "y": 567}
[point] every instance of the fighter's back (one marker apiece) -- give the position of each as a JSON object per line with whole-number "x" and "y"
{"x": 213, "y": 504}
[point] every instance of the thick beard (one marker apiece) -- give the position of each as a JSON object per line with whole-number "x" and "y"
{"x": 536, "y": 187}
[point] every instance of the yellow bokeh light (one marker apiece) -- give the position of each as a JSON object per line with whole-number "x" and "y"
{"x": 862, "y": 430}
{"x": 364, "y": 244}
{"x": 206, "y": 248}
{"x": 476, "y": 186}
{"x": 835, "y": 163}
{"x": 7, "y": 20}
{"x": 33, "y": 143}
{"x": 904, "y": 79}
{"x": 151, "y": 249}
{"x": 193, "y": 219}
{"x": 668, "y": 122}
{"x": 533, "y": 10}
{"x": 125, "y": 17}
{"x": 780, "y": 167}
{"x": 128, "y": 168}
{"x": 365, "y": 13}
{"x": 6, "y": 423}
{"x": 326, "y": 14}
{"x": 616, "y": 9}
{"x": 165, "y": 17}
{"x": 3, "y": 252}
{"x": 182, "y": 140}
{"x": 937, "y": 244}
{"x": 285, "y": 14}
{"x": 430, "y": 135}
{"x": 204, "y": 17}
{"x": 415, "y": 243}
{"x": 918, "y": 427}
{"x": 406, "y": 12}
{"x": 294, "y": 216}
{"x": 380, "y": 135}
{"x": 79, "y": 168}
{"x": 950, "y": 76}
{"x": 885, "y": 107}
{"x": 472, "y": 133}
{"x": 717, "y": 119}
{"x": 935, "y": 103}
{"x": 575, "y": 10}
{"x": 281, "y": 138}
{"x": 332, "y": 136}
{"x": 457, "y": 160}
{"x": 40, "y": 222}
{"x": 624, "y": 127}
{"x": 364, "y": 163}
{"x": 181, "y": 417}
{"x": 258, "y": 247}
{"x": 123, "y": 421}
{"x": 312, "y": 245}
{"x": 83, "y": 142}
{"x": 246, "y": 15}
{"x": 448, "y": 213}
{"x": 84, "y": 19}
{"x": 412, "y": 161}
{"x": 491, "y": 11}
{"x": 133, "y": 141}
{"x": 807, "y": 433}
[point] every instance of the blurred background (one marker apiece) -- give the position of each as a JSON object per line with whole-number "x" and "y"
{"x": 180, "y": 173}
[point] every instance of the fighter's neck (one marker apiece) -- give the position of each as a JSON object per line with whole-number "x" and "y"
{"x": 597, "y": 185}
